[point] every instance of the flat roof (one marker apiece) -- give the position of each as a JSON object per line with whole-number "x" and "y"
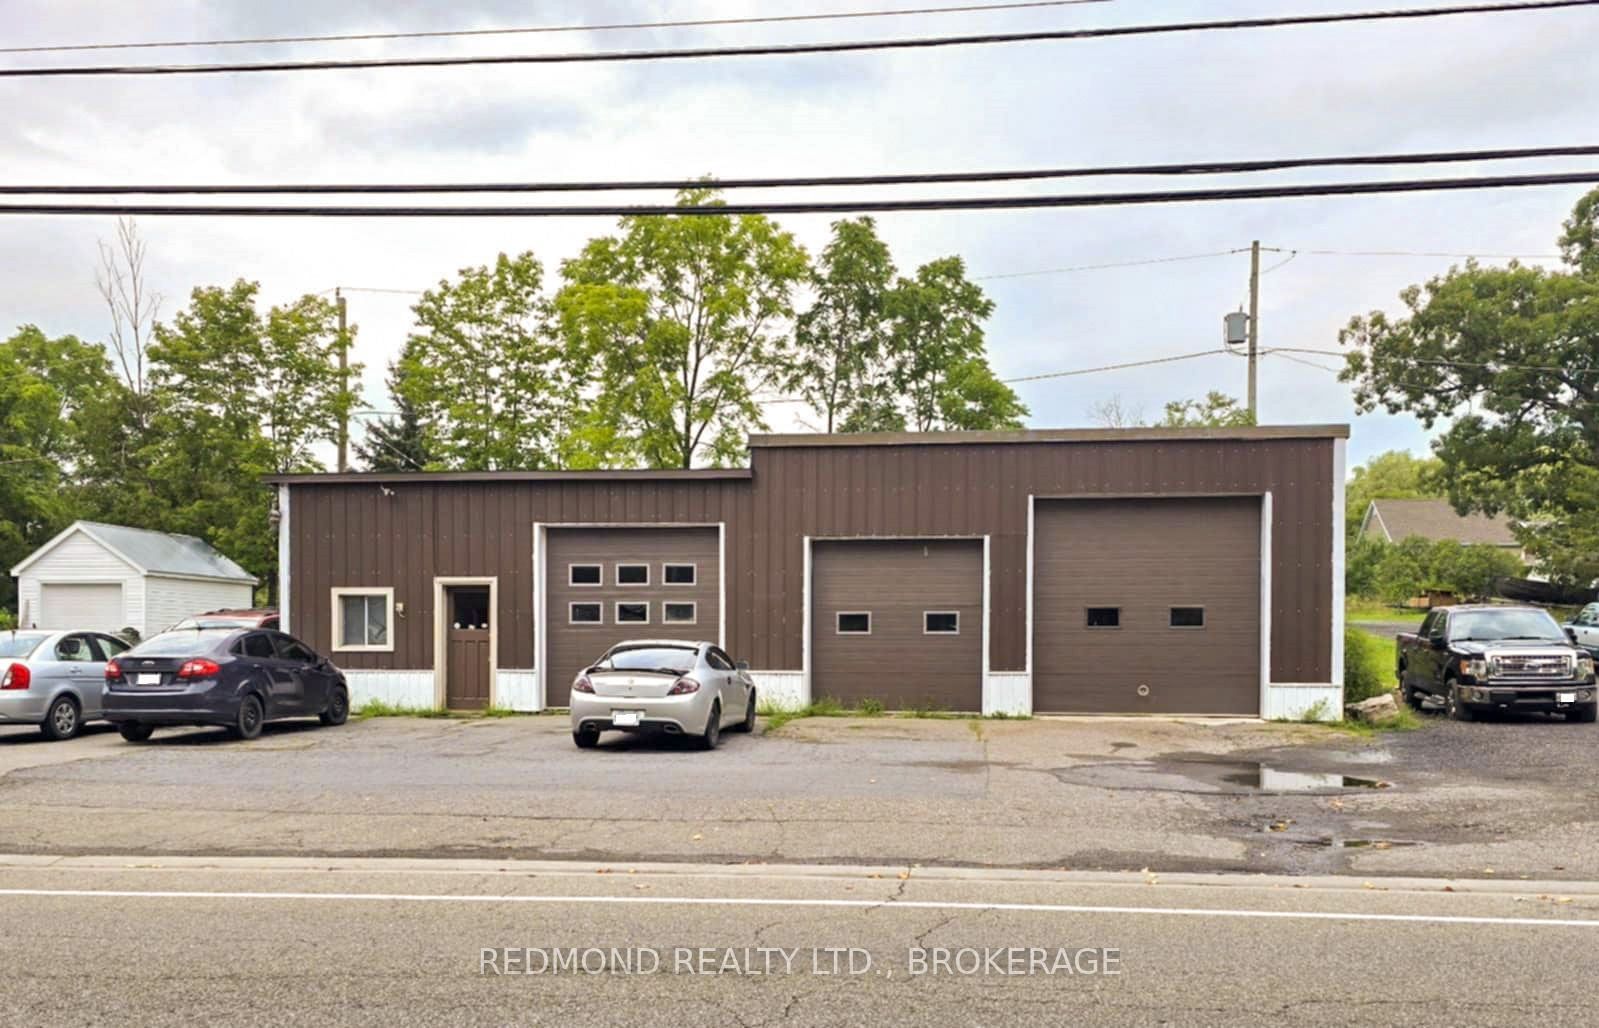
{"x": 1053, "y": 435}
{"x": 634, "y": 474}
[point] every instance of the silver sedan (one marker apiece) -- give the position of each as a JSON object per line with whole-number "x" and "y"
{"x": 54, "y": 679}
{"x": 667, "y": 686}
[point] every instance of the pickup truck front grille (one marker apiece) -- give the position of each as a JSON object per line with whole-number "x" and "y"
{"x": 1531, "y": 667}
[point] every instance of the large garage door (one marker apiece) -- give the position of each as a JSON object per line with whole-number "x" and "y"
{"x": 607, "y": 585}
{"x": 1147, "y": 606}
{"x": 900, "y": 622}
{"x": 81, "y": 606}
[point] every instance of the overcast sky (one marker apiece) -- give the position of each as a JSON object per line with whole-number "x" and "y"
{"x": 1448, "y": 83}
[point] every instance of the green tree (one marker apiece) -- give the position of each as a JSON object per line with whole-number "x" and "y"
{"x": 839, "y": 365}
{"x": 1216, "y": 410}
{"x": 681, "y": 321}
{"x": 397, "y": 442}
{"x": 1395, "y": 475}
{"x": 485, "y": 372}
{"x": 1405, "y": 570}
{"x": 1511, "y": 356}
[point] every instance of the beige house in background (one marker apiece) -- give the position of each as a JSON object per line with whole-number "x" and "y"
{"x": 1393, "y": 521}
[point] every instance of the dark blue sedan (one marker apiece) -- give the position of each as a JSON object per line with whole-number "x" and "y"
{"x": 237, "y": 678}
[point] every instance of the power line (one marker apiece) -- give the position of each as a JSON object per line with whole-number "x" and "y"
{"x": 1424, "y": 253}
{"x": 1114, "y": 264}
{"x": 989, "y": 203}
{"x": 541, "y": 29}
{"x": 1114, "y": 367}
{"x": 792, "y": 182}
{"x": 795, "y": 49}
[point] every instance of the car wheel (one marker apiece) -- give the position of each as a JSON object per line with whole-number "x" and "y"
{"x": 338, "y": 710}
{"x": 1457, "y": 710}
{"x": 1584, "y": 715}
{"x": 748, "y": 724}
{"x": 713, "y": 729}
{"x": 135, "y": 732}
{"x": 1412, "y": 698}
{"x": 586, "y": 738}
{"x": 247, "y": 725}
{"x": 61, "y": 721}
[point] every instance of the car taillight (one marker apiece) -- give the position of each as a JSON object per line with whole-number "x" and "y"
{"x": 583, "y": 685}
{"x": 199, "y": 669}
{"x": 112, "y": 670}
{"x": 17, "y": 676}
{"x": 683, "y": 686}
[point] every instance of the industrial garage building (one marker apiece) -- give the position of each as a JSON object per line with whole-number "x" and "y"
{"x": 1173, "y": 571}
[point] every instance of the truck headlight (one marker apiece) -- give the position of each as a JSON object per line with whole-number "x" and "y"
{"x": 1584, "y": 665}
{"x": 1476, "y": 667}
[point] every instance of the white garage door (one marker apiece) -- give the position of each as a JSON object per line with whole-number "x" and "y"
{"x": 97, "y": 607}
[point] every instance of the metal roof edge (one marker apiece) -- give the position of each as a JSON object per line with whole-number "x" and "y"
{"x": 1053, "y": 435}
{"x": 414, "y": 477}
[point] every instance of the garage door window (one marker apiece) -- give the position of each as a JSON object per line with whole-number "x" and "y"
{"x": 679, "y": 574}
{"x": 585, "y": 614}
{"x": 362, "y": 620}
{"x": 632, "y": 574}
{"x": 941, "y": 622}
{"x": 632, "y": 613}
{"x": 585, "y": 575}
{"x": 1188, "y": 617}
{"x": 679, "y": 613}
{"x": 1104, "y": 617}
{"x": 854, "y": 623}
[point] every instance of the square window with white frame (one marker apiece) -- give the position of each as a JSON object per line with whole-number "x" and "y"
{"x": 585, "y": 614}
{"x": 585, "y": 576}
{"x": 632, "y": 613}
{"x": 632, "y": 574}
{"x": 679, "y": 574}
{"x": 674, "y": 613}
{"x": 854, "y": 622}
{"x": 363, "y": 619}
{"x": 941, "y": 622}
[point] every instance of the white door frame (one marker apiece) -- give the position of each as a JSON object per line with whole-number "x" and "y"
{"x": 540, "y": 613}
{"x": 441, "y": 587}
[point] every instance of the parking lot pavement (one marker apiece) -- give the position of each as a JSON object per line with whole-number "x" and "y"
{"x": 421, "y": 943}
{"x": 1479, "y": 800}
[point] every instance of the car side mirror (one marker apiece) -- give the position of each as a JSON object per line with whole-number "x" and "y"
{"x": 1571, "y": 633}
{"x": 1437, "y": 642}
{"x": 743, "y": 665}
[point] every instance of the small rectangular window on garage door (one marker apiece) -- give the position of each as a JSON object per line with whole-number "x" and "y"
{"x": 632, "y": 613}
{"x": 1104, "y": 617}
{"x": 941, "y": 622}
{"x": 585, "y": 574}
{"x": 632, "y": 574}
{"x": 854, "y": 622}
{"x": 679, "y": 574}
{"x": 1188, "y": 617}
{"x": 586, "y": 614}
{"x": 679, "y": 613}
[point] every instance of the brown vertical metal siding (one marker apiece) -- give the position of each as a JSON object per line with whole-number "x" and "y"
{"x": 354, "y": 534}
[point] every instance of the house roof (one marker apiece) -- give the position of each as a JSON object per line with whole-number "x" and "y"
{"x": 1397, "y": 520}
{"x": 151, "y": 553}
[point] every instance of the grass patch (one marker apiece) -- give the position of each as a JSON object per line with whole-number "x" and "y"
{"x": 380, "y": 708}
{"x": 1407, "y": 721}
{"x": 1359, "y": 609}
{"x": 1369, "y": 664}
{"x": 1005, "y": 716}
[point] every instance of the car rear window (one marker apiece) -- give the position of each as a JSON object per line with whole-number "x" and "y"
{"x": 19, "y": 644}
{"x": 182, "y": 643}
{"x": 676, "y": 659}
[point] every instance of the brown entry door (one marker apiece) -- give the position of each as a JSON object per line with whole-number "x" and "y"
{"x": 467, "y": 637}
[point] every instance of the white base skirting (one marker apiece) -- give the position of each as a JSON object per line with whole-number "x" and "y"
{"x": 1008, "y": 692}
{"x": 409, "y": 690}
{"x": 783, "y": 689}
{"x": 1292, "y": 700}
{"x": 517, "y": 690}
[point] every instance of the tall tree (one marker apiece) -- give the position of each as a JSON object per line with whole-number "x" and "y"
{"x": 839, "y": 365}
{"x": 1395, "y": 475}
{"x": 1216, "y": 410}
{"x": 396, "y": 442}
{"x": 1511, "y": 356}
{"x": 681, "y": 321}
{"x": 134, "y": 307}
{"x": 485, "y": 373}
{"x": 1115, "y": 412}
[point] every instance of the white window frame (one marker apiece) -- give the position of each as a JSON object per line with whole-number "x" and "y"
{"x": 1204, "y": 617}
{"x": 572, "y": 620}
{"x": 838, "y": 628}
{"x": 339, "y": 593}
{"x": 585, "y": 585}
{"x": 616, "y": 612}
{"x": 1103, "y": 628}
{"x": 951, "y": 613}
{"x": 666, "y": 580}
{"x": 616, "y": 574}
{"x": 694, "y": 608}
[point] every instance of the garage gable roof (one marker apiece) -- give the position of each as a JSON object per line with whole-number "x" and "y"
{"x": 150, "y": 553}
{"x": 1437, "y": 520}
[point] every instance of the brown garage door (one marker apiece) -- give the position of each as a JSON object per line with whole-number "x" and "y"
{"x": 1156, "y": 593}
{"x": 601, "y": 581}
{"x": 898, "y": 621}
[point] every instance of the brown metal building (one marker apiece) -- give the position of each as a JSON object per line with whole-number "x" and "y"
{"x": 1081, "y": 571}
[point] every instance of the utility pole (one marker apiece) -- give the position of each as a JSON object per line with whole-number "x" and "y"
{"x": 344, "y": 379}
{"x": 1254, "y": 327}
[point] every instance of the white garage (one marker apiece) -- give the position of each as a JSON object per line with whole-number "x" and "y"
{"x": 109, "y": 577}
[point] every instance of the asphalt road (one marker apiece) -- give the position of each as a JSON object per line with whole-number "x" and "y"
{"x": 97, "y": 941}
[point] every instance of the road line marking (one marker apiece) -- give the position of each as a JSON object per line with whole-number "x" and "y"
{"x": 722, "y": 901}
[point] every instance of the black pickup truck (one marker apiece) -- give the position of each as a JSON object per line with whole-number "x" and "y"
{"x": 1478, "y": 659}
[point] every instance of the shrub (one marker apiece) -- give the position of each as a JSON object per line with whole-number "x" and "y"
{"x": 1366, "y": 666}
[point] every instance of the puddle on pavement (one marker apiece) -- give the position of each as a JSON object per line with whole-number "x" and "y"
{"x": 1213, "y": 776}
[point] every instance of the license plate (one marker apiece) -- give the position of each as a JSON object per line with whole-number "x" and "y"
{"x": 147, "y": 679}
{"x": 626, "y": 718}
{"x": 1566, "y": 697}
